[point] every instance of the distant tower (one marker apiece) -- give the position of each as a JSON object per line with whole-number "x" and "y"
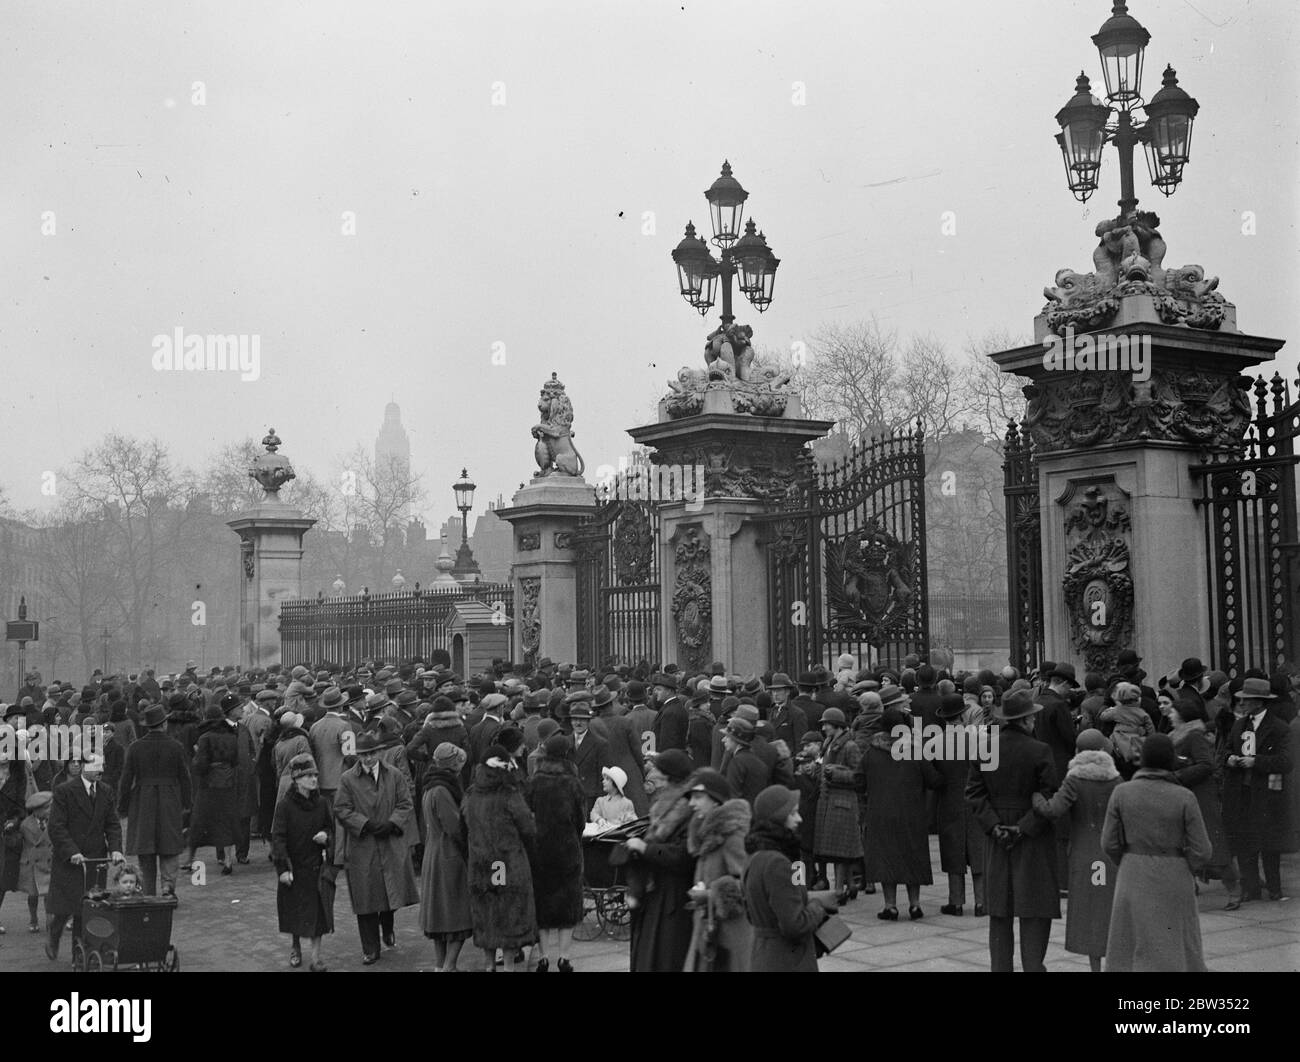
{"x": 393, "y": 450}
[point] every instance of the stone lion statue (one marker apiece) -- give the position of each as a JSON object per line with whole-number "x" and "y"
{"x": 555, "y": 451}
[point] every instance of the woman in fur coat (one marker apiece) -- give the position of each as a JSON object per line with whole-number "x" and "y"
{"x": 659, "y": 874}
{"x": 291, "y": 741}
{"x": 555, "y": 795}
{"x": 1091, "y": 778}
{"x": 216, "y": 800}
{"x": 501, "y": 830}
{"x": 838, "y": 834}
{"x": 721, "y": 938}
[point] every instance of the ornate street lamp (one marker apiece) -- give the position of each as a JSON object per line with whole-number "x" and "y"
{"x": 1087, "y": 124}
{"x": 746, "y": 258}
{"x": 726, "y": 205}
{"x": 466, "y": 565}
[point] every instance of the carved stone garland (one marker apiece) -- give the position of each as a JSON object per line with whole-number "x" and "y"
{"x": 692, "y": 602}
{"x": 1098, "y": 579}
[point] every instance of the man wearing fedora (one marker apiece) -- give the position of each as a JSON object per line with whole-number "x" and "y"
{"x": 1054, "y": 727}
{"x": 374, "y": 805}
{"x": 327, "y": 743}
{"x": 624, "y": 747}
{"x": 788, "y": 720}
{"x": 83, "y": 826}
{"x": 670, "y": 725}
{"x": 1257, "y": 772}
{"x": 154, "y": 797}
{"x": 590, "y": 751}
{"x": 747, "y": 772}
{"x": 1020, "y": 855}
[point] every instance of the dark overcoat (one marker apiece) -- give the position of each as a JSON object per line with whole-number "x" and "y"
{"x": 838, "y": 834}
{"x": 589, "y": 758}
{"x": 1196, "y": 771}
{"x": 1019, "y": 882}
{"x": 302, "y": 907}
{"x": 155, "y": 795}
{"x": 896, "y": 838}
{"x": 556, "y": 799}
{"x": 79, "y": 825}
{"x": 501, "y": 830}
{"x": 961, "y": 840}
{"x": 216, "y": 800}
{"x": 380, "y": 876}
{"x": 783, "y": 918}
{"x": 1255, "y": 814}
{"x": 444, "y": 875}
{"x": 664, "y": 872}
{"x": 624, "y": 751}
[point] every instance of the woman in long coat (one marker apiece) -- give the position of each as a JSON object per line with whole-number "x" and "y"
{"x": 1089, "y": 782}
{"x": 14, "y": 791}
{"x": 838, "y": 835}
{"x": 444, "y": 874}
{"x": 302, "y": 831}
{"x": 501, "y": 830}
{"x": 1155, "y": 834}
{"x": 721, "y": 937}
{"x": 556, "y": 797}
{"x": 659, "y": 873}
{"x": 961, "y": 841}
{"x": 292, "y": 740}
{"x": 785, "y": 916}
{"x": 1196, "y": 770}
{"x": 896, "y": 831}
{"x": 216, "y": 800}
{"x": 374, "y": 805}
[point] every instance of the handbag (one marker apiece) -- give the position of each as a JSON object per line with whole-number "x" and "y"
{"x": 831, "y": 934}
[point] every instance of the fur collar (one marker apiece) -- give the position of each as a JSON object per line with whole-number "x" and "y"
{"x": 773, "y": 837}
{"x": 669, "y": 811}
{"x": 710, "y": 831}
{"x": 1094, "y": 765}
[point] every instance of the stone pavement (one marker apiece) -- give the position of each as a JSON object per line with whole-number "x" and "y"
{"x": 229, "y": 924}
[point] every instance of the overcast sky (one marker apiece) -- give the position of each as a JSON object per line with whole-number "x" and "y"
{"x": 522, "y": 224}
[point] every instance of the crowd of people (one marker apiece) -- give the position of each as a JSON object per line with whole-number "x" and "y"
{"x": 748, "y": 810}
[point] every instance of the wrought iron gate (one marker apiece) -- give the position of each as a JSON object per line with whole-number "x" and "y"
{"x": 846, "y": 558}
{"x": 618, "y": 585}
{"x": 1024, "y": 550}
{"x": 1249, "y": 500}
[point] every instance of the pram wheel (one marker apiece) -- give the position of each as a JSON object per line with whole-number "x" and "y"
{"x": 591, "y": 926}
{"x": 110, "y": 959}
{"x": 615, "y": 915}
{"x": 94, "y": 964}
{"x": 173, "y": 964}
{"x": 78, "y": 957}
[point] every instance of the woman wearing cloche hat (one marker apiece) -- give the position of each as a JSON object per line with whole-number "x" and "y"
{"x": 784, "y": 914}
{"x": 444, "y": 874}
{"x": 302, "y": 831}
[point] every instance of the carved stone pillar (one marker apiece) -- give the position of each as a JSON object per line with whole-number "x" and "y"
{"x": 270, "y": 549}
{"x": 543, "y": 515}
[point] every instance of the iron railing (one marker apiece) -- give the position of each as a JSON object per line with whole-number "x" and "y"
{"x": 396, "y": 625}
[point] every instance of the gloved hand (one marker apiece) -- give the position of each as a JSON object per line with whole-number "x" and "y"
{"x": 384, "y": 829}
{"x": 376, "y": 825}
{"x": 1006, "y": 836}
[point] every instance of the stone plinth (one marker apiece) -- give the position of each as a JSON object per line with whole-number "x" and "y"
{"x": 270, "y": 572}
{"x": 1123, "y": 543}
{"x": 544, "y": 574}
{"x": 714, "y": 571}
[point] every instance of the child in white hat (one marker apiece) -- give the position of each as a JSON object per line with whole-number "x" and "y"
{"x": 612, "y": 809}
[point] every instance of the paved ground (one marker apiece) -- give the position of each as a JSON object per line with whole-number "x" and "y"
{"x": 229, "y": 924}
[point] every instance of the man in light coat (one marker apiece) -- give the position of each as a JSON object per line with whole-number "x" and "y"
{"x": 374, "y": 805}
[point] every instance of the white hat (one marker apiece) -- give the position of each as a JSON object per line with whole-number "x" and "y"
{"x": 616, "y": 775}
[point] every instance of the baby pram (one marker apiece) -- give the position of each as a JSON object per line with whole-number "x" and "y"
{"x": 116, "y": 932}
{"x": 604, "y": 884}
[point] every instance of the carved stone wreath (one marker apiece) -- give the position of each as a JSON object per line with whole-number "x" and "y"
{"x": 692, "y": 601}
{"x": 1098, "y": 579}
{"x": 246, "y": 555}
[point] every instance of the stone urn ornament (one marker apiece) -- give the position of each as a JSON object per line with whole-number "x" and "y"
{"x": 272, "y": 470}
